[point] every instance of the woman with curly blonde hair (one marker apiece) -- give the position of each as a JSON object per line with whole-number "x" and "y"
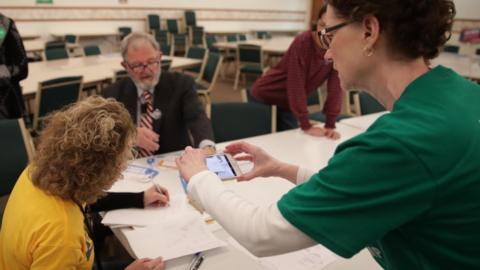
{"x": 82, "y": 151}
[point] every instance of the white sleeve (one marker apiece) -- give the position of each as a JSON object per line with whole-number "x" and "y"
{"x": 262, "y": 230}
{"x": 303, "y": 174}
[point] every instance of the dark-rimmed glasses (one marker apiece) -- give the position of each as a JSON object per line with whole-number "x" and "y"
{"x": 138, "y": 68}
{"x": 326, "y": 34}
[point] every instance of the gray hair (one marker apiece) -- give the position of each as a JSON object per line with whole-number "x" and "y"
{"x": 134, "y": 39}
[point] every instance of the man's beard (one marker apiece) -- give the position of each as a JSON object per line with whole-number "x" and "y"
{"x": 149, "y": 85}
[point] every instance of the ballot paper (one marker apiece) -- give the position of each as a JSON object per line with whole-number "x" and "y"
{"x": 170, "y": 240}
{"x": 135, "y": 178}
{"x": 178, "y": 206}
{"x": 312, "y": 258}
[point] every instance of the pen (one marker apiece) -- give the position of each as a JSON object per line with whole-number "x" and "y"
{"x": 196, "y": 261}
{"x": 159, "y": 189}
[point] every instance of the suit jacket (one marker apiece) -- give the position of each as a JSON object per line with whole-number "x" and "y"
{"x": 182, "y": 113}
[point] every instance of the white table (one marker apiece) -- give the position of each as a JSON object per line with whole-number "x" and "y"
{"x": 362, "y": 122}
{"x": 94, "y": 69}
{"x": 275, "y": 45}
{"x": 292, "y": 146}
{"x": 84, "y": 34}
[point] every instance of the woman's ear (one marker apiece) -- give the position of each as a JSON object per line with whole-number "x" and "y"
{"x": 371, "y": 27}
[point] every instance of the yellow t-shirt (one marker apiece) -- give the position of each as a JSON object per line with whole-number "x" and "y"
{"x": 41, "y": 231}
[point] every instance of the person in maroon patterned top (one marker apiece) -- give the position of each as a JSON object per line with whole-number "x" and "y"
{"x": 300, "y": 72}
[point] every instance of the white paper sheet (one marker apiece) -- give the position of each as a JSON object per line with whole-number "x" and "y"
{"x": 178, "y": 206}
{"x": 187, "y": 235}
{"x": 312, "y": 258}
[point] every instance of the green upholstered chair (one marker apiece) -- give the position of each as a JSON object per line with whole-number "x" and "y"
{"x": 55, "y": 53}
{"x": 153, "y": 23}
{"x": 232, "y": 38}
{"x": 91, "y": 50}
{"x": 17, "y": 151}
{"x": 196, "y": 36}
{"x": 242, "y": 37}
{"x": 210, "y": 41}
{"x": 123, "y": 31}
{"x": 366, "y": 104}
{"x": 166, "y": 64}
{"x": 263, "y": 35}
{"x": 190, "y": 19}
{"x": 161, "y": 36}
{"x": 249, "y": 61}
{"x": 197, "y": 53}
{"x": 55, "y": 94}
{"x": 208, "y": 78}
{"x": 119, "y": 74}
{"x": 72, "y": 39}
{"x": 179, "y": 41}
{"x": 166, "y": 49}
{"x": 238, "y": 120}
{"x": 451, "y": 48}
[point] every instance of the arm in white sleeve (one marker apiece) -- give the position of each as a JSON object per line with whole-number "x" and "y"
{"x": 303, "y": 174}
{"x": 262, "y": 230}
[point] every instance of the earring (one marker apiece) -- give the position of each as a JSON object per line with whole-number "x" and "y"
{"x": 367, "y": 51}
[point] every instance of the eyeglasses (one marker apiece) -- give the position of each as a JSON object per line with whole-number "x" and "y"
{"x": 137, "y": 68}
{"x": 326, "y": 34}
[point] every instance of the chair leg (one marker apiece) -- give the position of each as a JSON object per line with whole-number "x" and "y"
{"x": 237, "y": 77}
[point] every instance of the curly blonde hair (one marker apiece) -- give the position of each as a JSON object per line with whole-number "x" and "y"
{"x": 83, "y": 149}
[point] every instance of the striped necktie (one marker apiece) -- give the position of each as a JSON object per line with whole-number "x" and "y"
{"x": 146, "y": 119}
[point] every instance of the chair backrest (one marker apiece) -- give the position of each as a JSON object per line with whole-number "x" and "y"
{"x": 196, "y": 53}
{"x": 55, "y": 53}
{"x": 166, "y": 49}
{"x": 119, "y": 74}
{"x": 55, "y": 94}
{"x": 71, "y": 38}
{"x": 232, "y": 38}
{"x": 263, "y": 35}
{"x": 55, "y": 44}
{"x": 477, "y": 52}
{"x": 124, "y": 31}
{"x": 196, "y": 35}
{"x": 210, "y": 40}
{"x": 249, "y": 54}
{"x": 190, "y": 18}
{"x": 166, "y": 64}
{"x": 91, "y": 50}
{"x": 153, "y": 22}
{"x": 17, "y": 151}
{"x": 161, "y": 36}
{"x": 238, "y": 120}
{"x": 242, "y": 37}
{"x": 172, "y": 26}
{"x": 451, "y": 48}
{"x": 212, "y": 67}
{"x": 368, "y": 104}
{"x": 314, "y": 98}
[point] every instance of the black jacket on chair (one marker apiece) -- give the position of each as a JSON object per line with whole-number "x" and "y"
{"x": 181, "y": 111}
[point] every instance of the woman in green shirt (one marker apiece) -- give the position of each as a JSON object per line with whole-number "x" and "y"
{"x": 407, "y": 189}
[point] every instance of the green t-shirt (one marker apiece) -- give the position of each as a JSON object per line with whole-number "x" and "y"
{"x": 409, "y": 187}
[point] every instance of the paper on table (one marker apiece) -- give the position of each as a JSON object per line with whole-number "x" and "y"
{"x": 178, "y": 206}
{"x": 316, "y": 257}
{"x": 130, "y": 183}
{"x": 186, "y": 236}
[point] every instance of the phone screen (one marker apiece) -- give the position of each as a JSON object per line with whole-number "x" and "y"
{"x": 220, "y": 165}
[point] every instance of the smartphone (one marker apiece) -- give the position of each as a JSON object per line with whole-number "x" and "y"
{"x": 223, "y": 165}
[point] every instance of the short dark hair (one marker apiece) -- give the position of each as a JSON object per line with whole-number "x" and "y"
{"x": 322, "y": 11}
{"x": 414, "y": 28}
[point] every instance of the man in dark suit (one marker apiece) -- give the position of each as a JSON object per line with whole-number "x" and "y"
{"x": 164, "y": 105}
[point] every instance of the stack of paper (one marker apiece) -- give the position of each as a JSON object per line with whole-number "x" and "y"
{"x": 170, "y": 232}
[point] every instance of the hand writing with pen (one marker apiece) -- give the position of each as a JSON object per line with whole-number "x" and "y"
{"x": 156, "y": 196}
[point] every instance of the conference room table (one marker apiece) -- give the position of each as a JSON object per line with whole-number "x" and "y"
{"x": 362, "y": 122}
{"x": 94, "y": 69}
{"x": 293, "y": 146}
{"x": 275, "y": 45}
{"x": 38, "y": 45}
{"x": 466, "y": 65}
